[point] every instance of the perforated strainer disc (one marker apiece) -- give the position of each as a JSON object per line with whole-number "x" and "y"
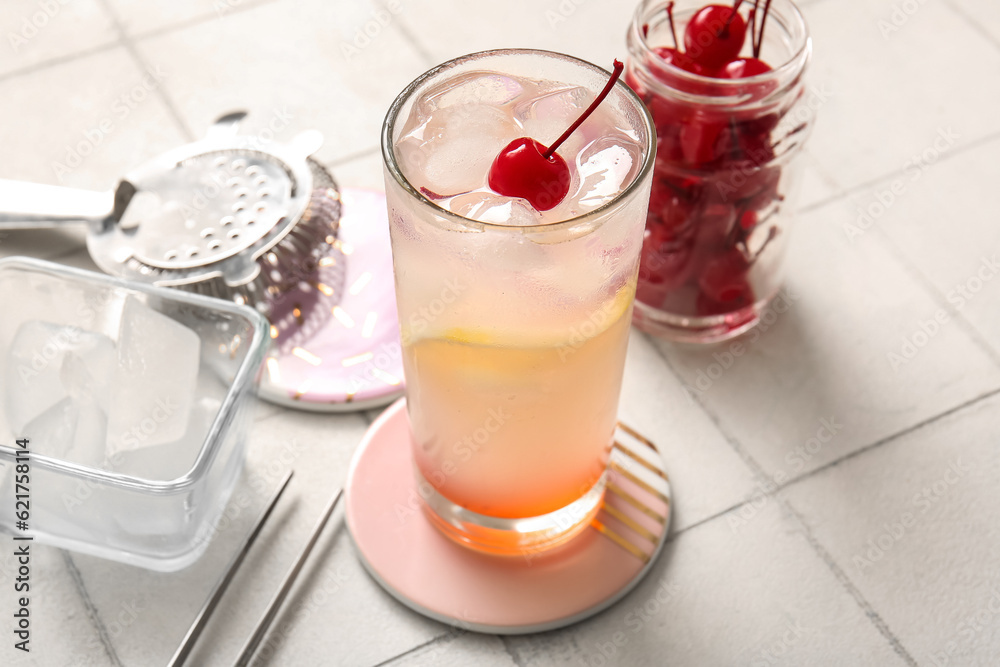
{"x": 208, "y": 208}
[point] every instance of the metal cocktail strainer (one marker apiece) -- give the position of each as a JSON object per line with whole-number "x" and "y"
{"x": 224, "y": 216}
{"x": 261, "y": 225}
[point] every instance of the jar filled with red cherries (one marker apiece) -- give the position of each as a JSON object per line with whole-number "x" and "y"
{"x": 724, "y": 84}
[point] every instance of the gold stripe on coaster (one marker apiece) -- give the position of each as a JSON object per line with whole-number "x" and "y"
{"x": 620, "y": 541}
{"x": 632, "y": 432}
{"x": 618, "y": 491}
{"x": 638, "y": 482}
{"x": 639, "y": 529}
{"x": 638, "y": 459}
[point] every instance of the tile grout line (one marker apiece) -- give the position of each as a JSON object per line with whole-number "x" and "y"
{"x": 506, "y": 647}
{"x": 972, "y": 23}
{"x": 430, "y": 642}
{"x": 761, "y": 476}
{"x": 91, "y": 609}
{"x": 847, "y": 584}
{"x": 357, "y": 155}
{"x": 201, "y": 18}
{"x": 733, "y": 443}
{"x": 930, "y": 421}
{"x": 867, "y": 185}
{"x": 60, "y": 60}
{"x": 144, "y": 67}
{"x": 939, "y": 299}
{"x": 833, "y": 464}
{"x": 404, "y": 30}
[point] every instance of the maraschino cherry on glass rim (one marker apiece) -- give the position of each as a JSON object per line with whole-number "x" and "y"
{"x": 525, "y": 168}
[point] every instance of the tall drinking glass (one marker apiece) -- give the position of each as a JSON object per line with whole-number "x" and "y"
{"x": 514, "y": 322}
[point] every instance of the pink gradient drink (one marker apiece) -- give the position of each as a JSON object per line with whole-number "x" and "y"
{"x": 514, "y": 321}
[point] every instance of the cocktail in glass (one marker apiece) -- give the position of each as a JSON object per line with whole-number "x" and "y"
{"x": 515, "y": 321}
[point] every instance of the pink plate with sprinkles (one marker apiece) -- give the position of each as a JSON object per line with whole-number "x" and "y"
{"x": 335, "y": 338}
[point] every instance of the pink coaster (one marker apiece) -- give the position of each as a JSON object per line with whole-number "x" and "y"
{"x": 336, "y": 337}
{"x": 502, "y": 594}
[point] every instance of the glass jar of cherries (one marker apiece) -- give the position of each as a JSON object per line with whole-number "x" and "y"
{"x": 724, "y": 84}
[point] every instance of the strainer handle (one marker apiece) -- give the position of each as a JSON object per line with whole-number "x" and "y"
{"x": 26, "y": 205}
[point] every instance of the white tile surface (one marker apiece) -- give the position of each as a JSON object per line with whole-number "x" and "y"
{"x": 61, "y": 630}
{"x": 982, "y": 15}
{"x": 818, "y": 382}
{"x": 458, "y": 649}
{"x": 957, "y": 244}
{"x": 139, "y": 17}
{"x": 84, "y": 123}
{"x": 890, "y": 94}
{"x": 69, "y": 127}
{"x": 302, "y": 78}
{"x": 913, "y": 526}
{"x": 594, "y": 31}
{"x": 35, "y": 32}
{"x": 721, "y": 596}
{"x": 706, "y": 475}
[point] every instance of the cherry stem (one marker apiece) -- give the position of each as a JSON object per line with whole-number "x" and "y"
{"x": 619, "y": 66}
{"x": 763, "y": 22}
{"x": 771, "y": 233}
{"x": 753, "y": 28}
{"x": 670, "y": 18}
{"x": 725, "y": 29}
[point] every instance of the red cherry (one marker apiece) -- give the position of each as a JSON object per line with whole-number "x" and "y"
{"x": 704, "y": 139}
{"x": 742, "y": 68}
{"x": 522, "y": 170}
{"x": 724, "y": 279}
{"x": 679, "y": 59}
{"x": 663, "y": 265}
{"x": 737, "y": 313}
{"x": 715, "y": 35}
{"x": 526, "y": 169}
